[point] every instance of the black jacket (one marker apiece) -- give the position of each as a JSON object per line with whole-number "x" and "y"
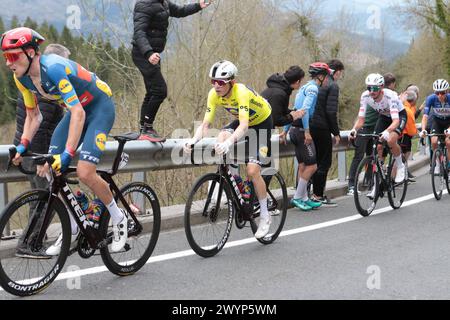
{"x": 51, "y": 112}
{"x": 277, "y": 94}
{"x": 325, "y": 114}
{"x": 151, "y": 20}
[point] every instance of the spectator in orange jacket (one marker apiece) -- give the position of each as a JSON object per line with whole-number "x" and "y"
{"x": 410, "y": 100}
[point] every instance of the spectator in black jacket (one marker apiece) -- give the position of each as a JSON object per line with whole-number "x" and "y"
{"x": 278, "y": 91}
{"x": 323, "y": 124}
{"x": 52, "y": 113}
{"x": 151, "y": 20}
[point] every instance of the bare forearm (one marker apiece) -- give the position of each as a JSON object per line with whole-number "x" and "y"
{"x": 201, "y": 131}
{"x": 32, "y": 122}
{"x": 240, "y": 132}
{"x": 393, "y": 126}
{"x": 359, "y": 123}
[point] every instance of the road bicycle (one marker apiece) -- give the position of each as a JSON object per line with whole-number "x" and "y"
{"x": 441, "y": 179}
{"x": 374, "y": 179}
{"x": 36, "y": 218}
{"x": 215, "y": 201}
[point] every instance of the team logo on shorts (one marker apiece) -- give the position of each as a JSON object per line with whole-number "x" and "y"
{"x": 263, "y": 151}
{"x": 65, "y": 86}
{"x": 100, "y": 141}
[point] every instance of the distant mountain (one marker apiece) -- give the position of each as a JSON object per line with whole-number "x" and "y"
{"x": 396, "y": 37}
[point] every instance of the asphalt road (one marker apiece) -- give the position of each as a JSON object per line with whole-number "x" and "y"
{"x": 331, "y": 253}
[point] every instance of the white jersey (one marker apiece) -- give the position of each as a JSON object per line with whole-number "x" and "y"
{"x": 390, "y": 106}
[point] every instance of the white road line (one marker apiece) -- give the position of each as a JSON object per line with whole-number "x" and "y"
{"x": 186, "y": 253}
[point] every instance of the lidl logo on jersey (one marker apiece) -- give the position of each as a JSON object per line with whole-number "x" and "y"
{"x": 104, "y": 87}
{"x": 100, "y": 141}
{"x": 65, "y": 86}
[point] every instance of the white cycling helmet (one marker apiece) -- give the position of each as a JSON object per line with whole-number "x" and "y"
{"x": 375, "y": 79}
{"x": 223, "y": 70}
{"x": 440, "y": 85}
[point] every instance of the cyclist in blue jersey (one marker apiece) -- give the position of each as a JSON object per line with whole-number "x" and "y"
{"x": 305, "y": 151}
{"x": 439, "y": 104}
{"x": 89, "y": 118}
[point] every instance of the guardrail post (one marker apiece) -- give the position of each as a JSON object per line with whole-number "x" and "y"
{"x": 137, "y": 197}
{"x": 3, "y": 203}
{"x": 342, "y": 166}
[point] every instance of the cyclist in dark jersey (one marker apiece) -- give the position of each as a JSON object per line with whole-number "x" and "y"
{"x": 439, "y": 104}
{"x": 89, "y": 118}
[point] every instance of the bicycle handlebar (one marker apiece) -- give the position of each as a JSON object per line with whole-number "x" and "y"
{"x": 12, "y": 155}
{"x": 38, "y": 159}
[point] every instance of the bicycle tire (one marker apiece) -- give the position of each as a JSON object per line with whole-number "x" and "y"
{"x": 365, "y": 166}
{"x": 446, "y": 176}
{"x": 16, "y": 209}
{"x": 149, "y": 215}
{"x": 393, "y": 186}
{"x": 437, "y": 180}
{"x": 277, "y": 208}
{"x": 203, "y": 219}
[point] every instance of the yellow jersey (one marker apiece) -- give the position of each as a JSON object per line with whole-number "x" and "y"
{"x": 244, "y": 103}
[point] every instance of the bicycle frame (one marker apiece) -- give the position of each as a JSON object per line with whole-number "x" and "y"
{"x": 378, "y": 168}
{"x": 59, "y": 186}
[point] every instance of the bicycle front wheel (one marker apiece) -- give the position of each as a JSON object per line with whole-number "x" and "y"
{"x": 277, "y": 202}
{"x": 26, "y": 232}
{"x": 367, "y": 184}
{"x": 396, "y": 191}
{"x": 208, "y": 216}
{"x": 142, "y": 237}
{"x": 437, "y": 174}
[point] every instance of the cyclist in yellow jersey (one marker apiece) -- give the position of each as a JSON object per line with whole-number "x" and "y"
{"x": 243, "y": 103}
{"x": 252, "y": 112}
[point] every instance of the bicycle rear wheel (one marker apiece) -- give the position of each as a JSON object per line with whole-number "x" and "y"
{"x": 144, "y": 204}
{"x": 277, "y": 202}
{"x": 367, "y": 185}
{"x": 437, "y": 174}
{"x": 25, "y": 269}
{"x": 208, "y": 216}
{"x": 396, "y": 191}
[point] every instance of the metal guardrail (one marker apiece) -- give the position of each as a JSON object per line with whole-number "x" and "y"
{"x": 145, "y": 156}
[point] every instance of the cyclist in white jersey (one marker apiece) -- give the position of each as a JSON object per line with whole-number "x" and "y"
{"x": 392, "y": 118}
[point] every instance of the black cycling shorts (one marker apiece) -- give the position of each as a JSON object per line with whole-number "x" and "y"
{"x": 384, "y": 122}
{"x": 405, "y": 143}
{"x": 258, "y": 148}
{"x": 439, "y": 125}
{"x": 305, "y": 153}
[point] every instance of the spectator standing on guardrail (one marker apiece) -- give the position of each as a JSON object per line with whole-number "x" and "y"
{"x": 52, "y": 113}
{"x": 410, "y": 99}
{"x": 278, "y": 91}
{"x": 323, "y": 124}
{"x": 151, "y": 21}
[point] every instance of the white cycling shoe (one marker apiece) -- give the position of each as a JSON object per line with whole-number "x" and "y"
{"x": 120, "y": 234}
{"x": 263, "y": 228}
{"x": 55, "y": 248}
{"x": 400, "y": 175}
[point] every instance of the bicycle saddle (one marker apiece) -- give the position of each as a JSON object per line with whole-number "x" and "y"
{"x": 129, "y": 136}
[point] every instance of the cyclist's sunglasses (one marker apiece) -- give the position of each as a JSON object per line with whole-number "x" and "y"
{"x": 374, "y": 88}
{"x": 440, "y": 93}
{"x": 12, "y": 56}
{"x": 220, "y": 83}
